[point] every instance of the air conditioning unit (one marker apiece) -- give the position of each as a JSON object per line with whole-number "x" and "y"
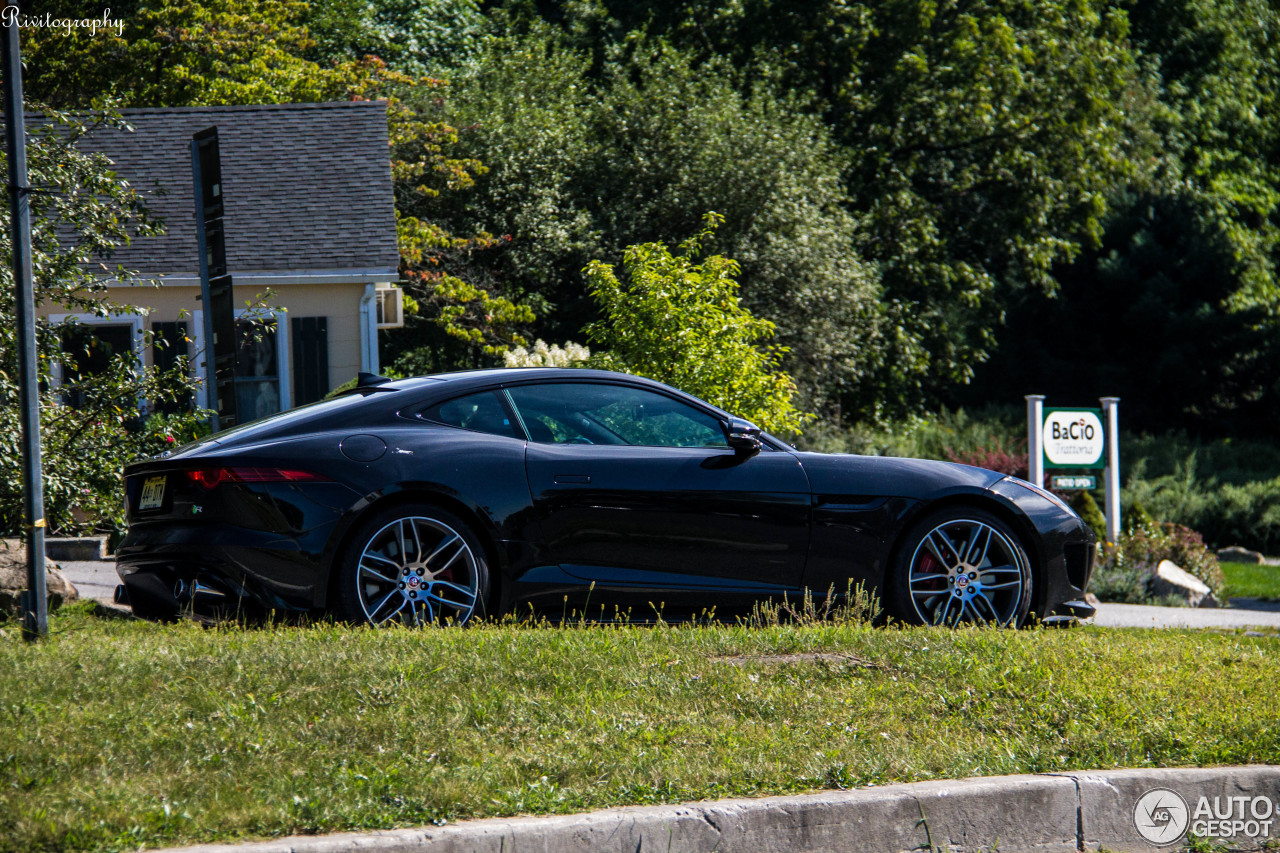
{"x": 390, "y": 306}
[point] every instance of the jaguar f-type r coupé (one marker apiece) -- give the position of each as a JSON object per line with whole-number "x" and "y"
{"x": 448, "y": 497}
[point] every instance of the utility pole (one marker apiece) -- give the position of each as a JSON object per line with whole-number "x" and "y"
{"x": 34, "y": 604}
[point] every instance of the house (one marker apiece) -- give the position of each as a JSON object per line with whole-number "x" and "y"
{"x": 309, "y": 217}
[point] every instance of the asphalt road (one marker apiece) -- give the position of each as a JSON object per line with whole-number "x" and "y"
{"x": 92, "y": 578}
{"x": 1243, "y": 613}
{"x": 97, "y": 579}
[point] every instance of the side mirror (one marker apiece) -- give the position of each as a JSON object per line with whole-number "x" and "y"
{"x": 744, "y": 436}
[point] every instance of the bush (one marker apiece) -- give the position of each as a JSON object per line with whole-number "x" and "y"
{"x": 1225, "y": 513}
{"x": 1136, "y": 517}
{"x": 676, "y": 318}
{"x": 932, "y": 436}
{"x": 994, "y": 457}
{"x": 81, "y": 214}
{"x": 1087, "y": 508}
{"x": 1127, "y": 568}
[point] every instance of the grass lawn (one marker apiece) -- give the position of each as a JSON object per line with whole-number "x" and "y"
{"x": 1249, "y": 580}
{"x": 120, "y": 734}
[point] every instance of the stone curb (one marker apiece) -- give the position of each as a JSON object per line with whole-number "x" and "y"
{"x": 1043, "y": 813}
{"x": 76, "y": 549}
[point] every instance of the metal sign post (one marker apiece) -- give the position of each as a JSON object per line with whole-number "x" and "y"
{"x": 34, "y": 602}
{"x": 1035, "y": 438}
{"x": 1111, "y": 474}
{"x": 218, "y": 320}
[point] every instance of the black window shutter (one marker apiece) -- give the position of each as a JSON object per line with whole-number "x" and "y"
{"x": 164, "y": 357}
{"x": 310, "y": 358}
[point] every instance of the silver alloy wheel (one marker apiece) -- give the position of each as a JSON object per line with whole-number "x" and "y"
{"x": 417, "y": 570}
{"x": 965, "y": 570}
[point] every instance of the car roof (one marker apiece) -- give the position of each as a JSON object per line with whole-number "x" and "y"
{"x": 359, "y": 405}
{"x": 465, "y": 379}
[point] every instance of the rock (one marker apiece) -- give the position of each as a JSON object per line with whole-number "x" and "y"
{"x": 13, "y": 579}
{"x": 1172, "y": 580}
{"x": 1091, "y": 599}
{"x": 1236, "y": 554}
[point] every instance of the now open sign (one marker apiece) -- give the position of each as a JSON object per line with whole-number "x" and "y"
{"x": 1073, "y": 438}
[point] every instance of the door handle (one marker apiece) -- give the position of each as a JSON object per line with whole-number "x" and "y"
{"x": 568, "y": 479}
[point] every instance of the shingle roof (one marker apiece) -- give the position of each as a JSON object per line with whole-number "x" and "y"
{"x": 305, "y": 186}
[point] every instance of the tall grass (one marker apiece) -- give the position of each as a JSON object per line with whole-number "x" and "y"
{"x": 127, "y": 734}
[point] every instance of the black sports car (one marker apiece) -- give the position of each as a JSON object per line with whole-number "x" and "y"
{"x": 485, "y": 492}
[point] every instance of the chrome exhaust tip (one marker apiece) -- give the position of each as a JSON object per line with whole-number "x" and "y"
{"x": 198, "y": 591}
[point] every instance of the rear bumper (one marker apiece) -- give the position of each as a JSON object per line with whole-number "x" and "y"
{"x": 169, "y": 567}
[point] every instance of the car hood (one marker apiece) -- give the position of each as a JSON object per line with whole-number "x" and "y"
{"x": 839, "y": 473}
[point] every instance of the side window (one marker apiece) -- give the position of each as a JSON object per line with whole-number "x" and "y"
{"x": 588, "y": 413}
{"x": 481, "y": 412}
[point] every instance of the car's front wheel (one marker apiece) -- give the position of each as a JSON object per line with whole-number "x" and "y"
{"x": 413, "y": 565}
{"x": 960, "y": 566}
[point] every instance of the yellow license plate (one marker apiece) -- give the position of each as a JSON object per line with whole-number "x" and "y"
{"x": 152, "y": 494}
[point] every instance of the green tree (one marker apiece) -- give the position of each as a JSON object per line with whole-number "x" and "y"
{"x": 81, "y": 213}
{"x": 677, "y": 319}
{"x": 1216, "y": 67}
{"x": 457, "y": 313}
{"x": 418, "y": 37}
{"x": 983, "y": 138}
{"x": 176, "y": 53}
{"x": 1143, "y": 317}
{"x": 583, "y": 163}
{"x": 1177, "y": 308}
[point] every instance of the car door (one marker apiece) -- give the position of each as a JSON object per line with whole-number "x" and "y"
{"x": 635, "y": 488}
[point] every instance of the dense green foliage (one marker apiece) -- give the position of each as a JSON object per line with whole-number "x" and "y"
{"x": 1164, "y": 271}
{"x": 914, "y": 190}
{"x": 1225, "y": 513}
{"x": 584, "y": 164}
{"x": 82, "y": 212}
{"x": 935, "y": 203}
{"x": 143, "y": 735}
{"x": 677, "y": 319}
{"x": 980, "y": 142}
{"x": 176, "y": 53}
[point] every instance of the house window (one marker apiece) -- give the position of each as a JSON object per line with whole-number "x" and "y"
{"x": 257, "y": 370}
{"x": 263, "y": 386}
{"x": 91, "y": 347}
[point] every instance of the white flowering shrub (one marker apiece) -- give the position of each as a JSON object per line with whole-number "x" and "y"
{"x": 543, "y": 355}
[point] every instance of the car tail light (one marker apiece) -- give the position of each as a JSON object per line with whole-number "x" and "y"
{"x": 211, "y": 477}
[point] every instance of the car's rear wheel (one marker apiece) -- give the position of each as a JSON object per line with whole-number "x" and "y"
{"x": 413, "y": 565}
{"x": 961, "y": 566}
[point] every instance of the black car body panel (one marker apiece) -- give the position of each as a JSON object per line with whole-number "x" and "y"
{"x": 563, "y": 525}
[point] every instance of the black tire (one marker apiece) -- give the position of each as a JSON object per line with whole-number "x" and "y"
{"x": 414, "y": 564}
{"x": 957, "y": 566}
